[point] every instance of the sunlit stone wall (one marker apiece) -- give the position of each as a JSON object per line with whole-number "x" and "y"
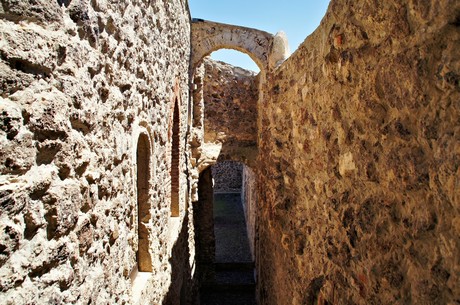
{"x": 358, "y": 164}
{"x": 80, "y": 81}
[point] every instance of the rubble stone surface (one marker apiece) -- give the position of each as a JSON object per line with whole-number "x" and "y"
{"x": 80, "y": 82}
{"x": 228, "y": 177}
{"x": 358, "y": 165}
{"x": 230, "y": 111}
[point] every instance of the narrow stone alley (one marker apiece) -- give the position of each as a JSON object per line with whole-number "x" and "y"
{"x": 135, "y": 169}
{"x": 233, "y": 281}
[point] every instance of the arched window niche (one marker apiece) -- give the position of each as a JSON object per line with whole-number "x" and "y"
{"x": 175, "y": 157}
{"x": 144, "y": 259}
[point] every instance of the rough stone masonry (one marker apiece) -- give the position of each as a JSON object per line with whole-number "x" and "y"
{"x": 82, "y": 82}
{"x": 359, "y": 154}
{"x": 351, "y": 150}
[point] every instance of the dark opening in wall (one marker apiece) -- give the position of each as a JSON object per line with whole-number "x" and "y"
{"x": 232, "y": 243}
{"x": 144, "y": 260}
{"x": 175, "y": 151}
{"x": 221, "y": 237}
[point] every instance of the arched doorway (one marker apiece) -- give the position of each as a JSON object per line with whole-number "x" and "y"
{"x": 210, "y": 36}
{"x": 225, "y": 106}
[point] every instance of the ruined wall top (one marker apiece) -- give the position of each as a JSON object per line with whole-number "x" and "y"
{"x": 230, "y": 111}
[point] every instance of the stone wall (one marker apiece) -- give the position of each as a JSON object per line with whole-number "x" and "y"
{"x": 227, "y": 177}
{"x": 230, "y": 110}
{"x": 204, "y": 226}
{"x": 249, "y": 199}
{"x": 359, "y": 174}
{"x": 81, "y": 83}
{"x": 224, "y": 117}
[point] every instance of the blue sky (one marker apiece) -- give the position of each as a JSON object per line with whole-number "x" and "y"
{"x": 297, "y": 18}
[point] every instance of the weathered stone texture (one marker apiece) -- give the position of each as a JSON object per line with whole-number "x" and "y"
{"x": 227, "y": 177}
{"x": 230, "y": 111}
{"x": 359, "y": 164}
{"x": 204, "y": 226}
{"x": 249, "y": 199}
{"x": 208, "y": 37}
{"x": 353, "y": 198}
{"x": 80, "y": 81}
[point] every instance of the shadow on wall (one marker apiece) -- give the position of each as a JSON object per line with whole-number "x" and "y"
{"x": 205, "y": 246}
{"x": 183, "y": 286}
{"x": 227, "y": 177}
{"x": 239, "y": 151}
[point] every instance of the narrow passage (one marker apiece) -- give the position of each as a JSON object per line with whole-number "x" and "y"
{"x": 233, "y": 282}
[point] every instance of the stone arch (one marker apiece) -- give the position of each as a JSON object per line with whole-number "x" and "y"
{"x": 175, "y": 160}
{"x": 144, "y": 260}
{"x": 211, "y": 36}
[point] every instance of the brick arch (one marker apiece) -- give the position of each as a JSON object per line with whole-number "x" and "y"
{"x": 208, "y": 37}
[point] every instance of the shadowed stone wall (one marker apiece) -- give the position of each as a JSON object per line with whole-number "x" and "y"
{"x": 249, "y": 199}
{"x": 228, "y": 177}
{"x": 80, "y": 83}
{"x": 359, "y": 175}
